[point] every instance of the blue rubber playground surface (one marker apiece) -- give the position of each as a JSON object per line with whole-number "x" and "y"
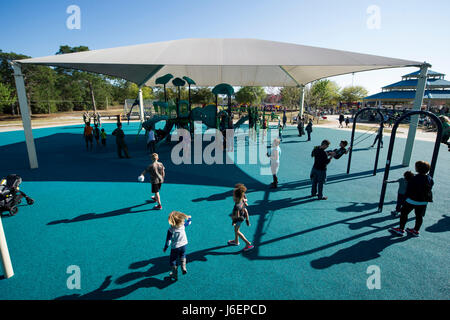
{"x": 90, "y": 211}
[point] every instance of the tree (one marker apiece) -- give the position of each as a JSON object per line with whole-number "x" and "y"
{"x": 323, "y": 93}
{"x": 353, "y": 94}
{"x": 172, "y": 93}
{"x": 252, "y": 95}
{"x": 202, "y": 95}
{"x": 7, "y": 98}
{"x": 290, "y": 97}
{"x": 147, "y": 92}
{"x": 96, "y": 84}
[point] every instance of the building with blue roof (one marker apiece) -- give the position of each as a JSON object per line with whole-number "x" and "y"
{"x": 402, "y": 93}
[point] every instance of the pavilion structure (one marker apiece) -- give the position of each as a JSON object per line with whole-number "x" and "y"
{"x": 402, "y": 93}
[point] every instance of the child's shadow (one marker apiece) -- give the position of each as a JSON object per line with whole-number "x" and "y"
{"x": 442, "y": 225}
{"x": 90, "y": 216}
{"x": 361, "y": 252}
{"x": 102, "y": 294}
{"x": 370, "y": 222}
{"x": 160, "y": 264}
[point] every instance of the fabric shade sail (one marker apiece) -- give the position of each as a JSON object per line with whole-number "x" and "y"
{"x": 239, "y": 62}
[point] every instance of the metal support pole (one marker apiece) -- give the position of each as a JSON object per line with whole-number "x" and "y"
{"x": 6, "y": 260}
{"x": 302, "y": 101}
{"x": 25, "y": 113}
{"x": 141, "y": 106}
{"x": 351, "y": 144}
{"x": 414, "y": 121}
{"x": 378, "y": 148}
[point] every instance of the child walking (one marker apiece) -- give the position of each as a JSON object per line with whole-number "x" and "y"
{"x": 177, "y": 239}
{"x": 97, "y": 134}
{"x": 418, "y": 194}
{"x": 401, "y": 193}
{"x": 274, "y": 156}
{"x": 157, "y": 174}
{"x": 103, "y": 136}
{"x": 280, "y": 132}
{"x": 238, "y": 216}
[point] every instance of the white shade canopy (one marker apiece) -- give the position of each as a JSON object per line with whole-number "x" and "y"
{"x": 239, "y": 62}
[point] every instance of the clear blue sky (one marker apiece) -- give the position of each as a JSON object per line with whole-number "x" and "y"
{"x": 416, "y": 30}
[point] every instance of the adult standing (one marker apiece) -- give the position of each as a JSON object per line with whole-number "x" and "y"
{"x": 86, "y": 117}
{"x": 157, "y": 173}
{"x": 88, "y": 135}
{"x": 284, "y": 118}
{"x": 97, "y": 134}
{"x": 120, "y": 141}
{"x": 319, "y": 170}
{"x": 379, "y": 136}
{"x": 301, "y": 127}
{"x": 309, "y": 129}
{"x": 341, "y": 120}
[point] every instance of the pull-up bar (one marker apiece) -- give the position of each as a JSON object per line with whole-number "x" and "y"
{"x": 391, "y": 148}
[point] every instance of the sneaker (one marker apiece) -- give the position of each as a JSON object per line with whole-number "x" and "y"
{"x": 174, "y": 273}
{"x": 394, "y": 213}
{"x": 397, "y": 231}
{"x": 412, "y": 232}
{"x": 232, "y": 243}
{"x": 323, "y": 198}
{"x": 249, "y": 247}
{"x": 157, "y": 207}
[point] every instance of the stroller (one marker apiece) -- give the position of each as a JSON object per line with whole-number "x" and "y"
{"x": 10, "y": 195}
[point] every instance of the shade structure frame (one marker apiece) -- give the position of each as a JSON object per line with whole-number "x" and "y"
{"x": 222, "y": 61}
{"x": 238, "y": 62}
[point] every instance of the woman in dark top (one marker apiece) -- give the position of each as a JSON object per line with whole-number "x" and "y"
{"x": 418, "y": 194}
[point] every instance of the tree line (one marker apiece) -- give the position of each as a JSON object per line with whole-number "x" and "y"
{"x": 55, "y": 89}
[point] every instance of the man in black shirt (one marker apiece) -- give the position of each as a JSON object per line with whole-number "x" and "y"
{"x": 120, "y": 141}
{"x": 319, "y": 170}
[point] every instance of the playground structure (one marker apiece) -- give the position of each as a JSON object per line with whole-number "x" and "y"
{"x": 391, "y": 149}
{"x": 185, "y": 115}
